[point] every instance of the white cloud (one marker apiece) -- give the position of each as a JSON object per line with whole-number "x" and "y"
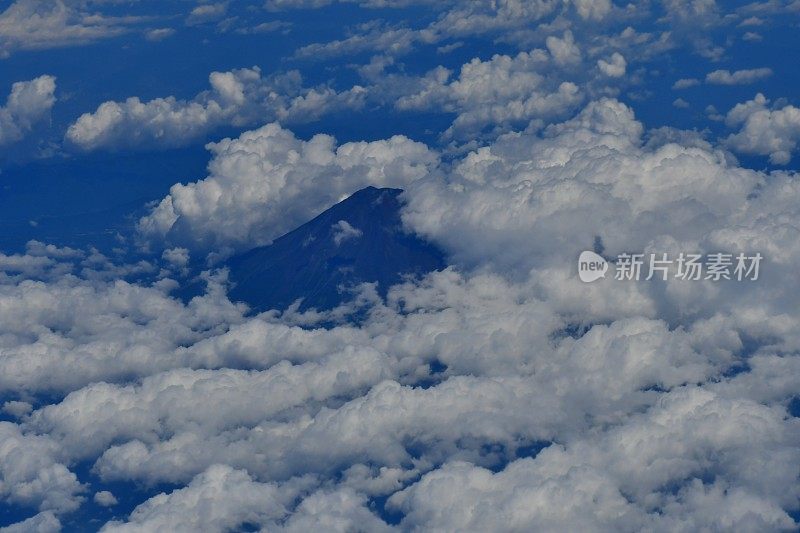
{"x": 237, "y": 98}
{"x": 113, "y": 336}
{"x": 220, "y": 499}
{"x": 371, "y": 36}
{"x": 510, "y": 411}
{"x": 105, "y": 498}
{"x": 279, "y": 5}
{"x": 17, "y": 409}
{"x": 438, "y": 397}
{"x": 223, "y": 499}
{"x": 764, "y": 131}
{"x": 178, "y": 257}
{"x": 499, "y": 93}
{"x": 265, "y": 27}
{"x": 680, "y": 103}
{"x": 267, "y": 182}
{"x": 38, "y": 24}
{"x": 166, "y": 403}
{"x": 31, "y": 474}
{"x": 564, "y": 49}
{"x": 537, "y": 201}
{"x": 739, "y": 77}
{"x": 343, "y": 231}
{"x": 339, "y": 510}
{"x": 751, "y": 21}
{"x": 614, "y": 67}
{"x": 611, "y": 482}
{"x": 45, "y": 522}
{"x": 692, "y": 12}
{"x": 28, "y": 104}
{"x": 159, "y": 34}
{"x": 685, "y": 83}
{"x": 508, "y": 20}
{"x": 593, "y": 9}
{"x": 206, "y": 13}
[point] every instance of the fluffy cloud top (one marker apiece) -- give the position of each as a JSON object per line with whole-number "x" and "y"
{"x": 739, "y": 77}
{"x": 764, "y": 131}
{"x": 239, "y": 97}
{"x": 28, "y": 103}
{"x": 501, "y": 92}
{"x": 563, "y": 49}
{"x": 614, "y": 67}
{"x": 206, "y": 13}
{"x": 267, "y": 182}
{"x": 36, "y": 24}
{"x": 511, "y": 20}
{"x": 600, "y": 490}
{"x": 32, "y": 475}
{"x": 685, "y": 83}
{"x": 499, "y": 393}
{"x": 525, "y": 201}
{"x": 221, "y": 499}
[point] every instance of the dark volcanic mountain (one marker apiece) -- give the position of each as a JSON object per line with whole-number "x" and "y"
{"x": 358, "y": 240}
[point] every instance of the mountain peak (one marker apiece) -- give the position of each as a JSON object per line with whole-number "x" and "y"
{"x": 360, "y": 239}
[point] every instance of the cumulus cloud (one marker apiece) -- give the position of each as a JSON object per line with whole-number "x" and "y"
{"x": 685, "y": 83}
{"x": 694, "y": 12}
{"x": 499, "y": 93}
{"x": 37, "y": 24}
{"x": 343, "y": 231}
{"x": 680, "y": 103}
{"x": 237, "y": 98}
{"x": 511, "y": 20}
{"x": 486, "y": 17}
{"x": 45, "y": 522}
{"x": 177, "y": 257}
{"x": 522, "y": 176}
{"x": 32, "y": 475}
{"x": 598, "y": 484}
{"x": 267, "y": 182}
{"x": 764, "y": 131}
{"x": 28, "y": 104}
{"x": 614, "y": 67}
{"x": 159, "y": 34}
{"x": 221, "y": 499}
{"x": 593, "y": 10}
{"x": 739, "y": 77}
{"x": 499, "y": 393}
{"x": 279, "y": 5}
{"x": 206, "y": 13}
{"x": 563, "y": 49}
{"x": 105, "y": 498}
{"x": 111, "y": 338}
{"x": 166, "y": 402}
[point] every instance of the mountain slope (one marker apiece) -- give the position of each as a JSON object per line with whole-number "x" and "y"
{"x": 360, "y": 239}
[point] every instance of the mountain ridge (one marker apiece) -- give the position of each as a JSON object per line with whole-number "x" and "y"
{"x": 360, "y": 239}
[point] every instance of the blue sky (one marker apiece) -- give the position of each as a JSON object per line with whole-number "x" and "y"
{"x": 143, "y": 143}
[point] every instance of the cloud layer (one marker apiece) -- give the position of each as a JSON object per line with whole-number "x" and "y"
{"x": 500, "y": 393}
{"x": 267, "y": 182}
{"x": 764, "y": 131}
{"x": 236, "y": 98}
{"x": 28, "y": 104}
